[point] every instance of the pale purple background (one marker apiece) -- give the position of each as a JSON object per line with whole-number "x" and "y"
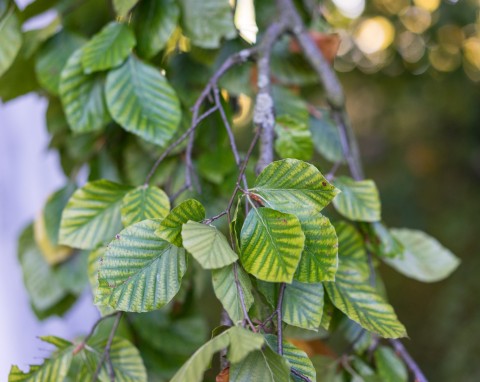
{"x": 28, "y": 174}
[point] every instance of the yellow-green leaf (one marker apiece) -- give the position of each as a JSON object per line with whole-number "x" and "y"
{"x": 294, "y": 139}
{"x": 303, "y": 305}
{"x": 144, "y": 202}
{"x": 271, "y": 244}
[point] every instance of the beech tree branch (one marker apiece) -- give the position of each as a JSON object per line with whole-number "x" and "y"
{"x": 409, "y": 361}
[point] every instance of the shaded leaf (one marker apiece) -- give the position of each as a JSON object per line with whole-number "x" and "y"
{"x": 170, "y": 228}
{"x": 92, "y": 214}
{"x": 141, "y": 100}
{"x": 326, "y": 137}
{"x": 142, "y": 271}
{"x": 359, "y": 200}
{"x": 319, "y": 259}
{"x": 271, "y": 244}
{"x": 207, "y": 22}
{"x": 123, "y": 7}
{"x": 108, "y": 48}
{"x": 52, "y": 58}
{"x": 226, "y": 290}
{"x": 423, "y": 257}
{"x": 293, "y": 138}
{"x": 207, "y": 245}
{"x": 144, "y": 202}
{"x": 82, "y": 97}
{"x": 390, "y": 368}
{"x": 155, "y": 22}
{"x": 303, "y": 305}
{"x": 10, "y": 38}
{"x": 293, "y": 186}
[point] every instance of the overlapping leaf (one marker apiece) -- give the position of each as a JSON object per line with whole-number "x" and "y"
{"x": 319, "y": 259}
{"x": 10, "y": 38}
{"x": 52, "y": 57}
{"x": 271, "y": 244}
{"x": 351, "y": 292}
{"x": 293, "y": 186}
{"x": 303, "y": 305}
{"x": 82, "y": 97}
{"x": 294, "y": 139}
{"x": 124, "y": 357}
{"x": 359, "y": 200}
{"x": 326, "y": 137}
{"x": 155, "y": 22}
{"x": 225, "y": 288}
{"x": 423, "y": 257}
{"x": 122, "y": 7}
{"x": 108, "y": 48}
{"x": 144, "y": 202}
{"x": 207, "y": 22}
{"x": 53, "y": 369}
{"x": 92, "y": 215}
{"x": 297, "y": 358}
{"x": 170, "y": 228}
{"x": 390, "y": 368}
{"x": 142, "y": 271}
{"x": 240, "y": 341}
{"x": 141, "y": 100}
{"x": 207, "y": 245}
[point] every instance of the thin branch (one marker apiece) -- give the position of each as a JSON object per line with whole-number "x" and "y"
{"x": 280, "y": 318}
{"x": 242, "y": 298}
{"x": 106, "y": 353}
{"x": 409, "y": 361}
{"x": 82, "y": 344}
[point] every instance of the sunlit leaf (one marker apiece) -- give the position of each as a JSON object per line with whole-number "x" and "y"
{"x": 271, "y": 244}
{"x": 144, "y": 202}
{"x": 359, "y": 200}
{"x": 423, "y": 257}
{"x": 142, "y": 271}
{"x": 108, "y": 48}
{"x": 123, "y": 7}
{"x": 207, "y": 245}
{"x": 92, "y": 214}
{"x": 141, "y": 100}
{"x": 170, "y": 228}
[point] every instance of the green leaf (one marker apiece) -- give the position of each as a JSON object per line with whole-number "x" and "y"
{"x": 381, "y": 241}
{"x": 155, "y": 22}
{"x": 226, "y": 290}
{"x": 73, "y": 273}
{"x": 359, "y": 200}
{"x": 271, "y": 244}
{"x": 319, "y": 259}
{"x": 144, "y": 202}
{"x": 207, "y": 245}
{"x": 141, "y": 100}
{"x": 389, "y": 367}
{"x": 303, "y": 305}
{"x": 297, "y": 358}
{"x": 293, "y": 186}
{"x": 53, "y": 209}
{"x": 44, "y": 289}
{"x": 170, "y": 228}
{"x": 294, "y": 139}
{"x": 92, "y": 215}
{"x": 240, "y": 341}
{"x": 53, "y": 369}
{"x": 52, "y": 57}
{"x": 207, "y": 22}
{"x": 125, "y": 358}
{"x": 123, "y": 7}
{"x": 326, "y": 137}
{"x": 10, "y": 38}
{"x": 108, "y": 48}
{"x": 101, "y": 293}
{"x": 288, "y": 103}
{"x": 351, "y": 292}
{"x": 82, "y": 97}
{"x": 142, "y": 271}
{"x": 261, "y": 365}
{"x": 423, "y": 258}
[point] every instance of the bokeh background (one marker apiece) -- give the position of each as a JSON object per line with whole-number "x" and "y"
{"x": 411, "y": 71}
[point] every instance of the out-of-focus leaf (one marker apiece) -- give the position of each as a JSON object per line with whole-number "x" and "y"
{"x": 271, "y": 244}
{"x": 141, "y": 100}
{"x": 390, "y": 368}
{"x": 294, "y": 139}
{"x": 326, "y": 138}
{"x": 423, "y": 258}
{"x": 122, "y": 7}
{"x": 10, "y": 38}
{"x": 207, "y": 22}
